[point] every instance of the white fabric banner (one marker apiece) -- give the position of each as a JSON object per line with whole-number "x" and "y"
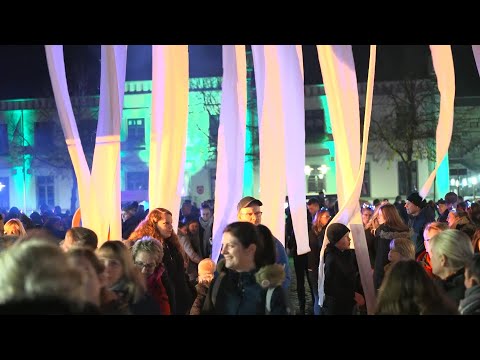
{"x": 231, "y": 141}
{"x": 443, "y": 64}
{"x": 99, "y": 191}
{"x": 338, "y": 70}
{"x": 476, "y": 55}
{"x": 168, "y": 132}
{"x": 273, "y": 180}
{"x": 105, "y": 172}
{"x": 56, "y": 69}
{"x": 293, "y": 96}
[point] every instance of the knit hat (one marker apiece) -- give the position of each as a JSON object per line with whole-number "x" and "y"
{"x": 417, "y": 200}
{"x": 336, "y": 232}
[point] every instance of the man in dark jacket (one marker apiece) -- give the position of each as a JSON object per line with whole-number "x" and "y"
{"x": 419, "y": 216}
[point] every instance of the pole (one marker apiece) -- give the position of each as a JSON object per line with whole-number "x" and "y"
{"x": 24, "y": 170}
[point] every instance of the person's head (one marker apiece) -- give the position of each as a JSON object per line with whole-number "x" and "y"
{"x": 120, "y": 269}
{"x": 376, "y": 203}
{"x": 206, "y": 271}
{"x": 193, "y": 227}
{"x": 205, "y": 212}
{"x": 472, "y": 271}
{"x": 321, "y": 219}
{"x": 367, "y": 212}
{"x": 241, "y": 246}
{"x": 248, "y": 209}
{"x": 408, "y": 290}
{"x": 14, "y": 227}
{"x": 115, "y": 257}
{"x": 313, "y": 206}
{"x": 388, "y": 214}
{"x": 450, "y": 250}
{"x": 37, "y": 269}
{"x": 451, "y": 200}
{"x": 80, "y": 237}
{"x": 414, "y": 204}
{"x": 432, "y": 229}
{"x": 338, "y": 236}
{"x": 147, "y": 254}
{"x": 129, "y": 210}
{"x": 93, "y": 272}
{"x": 157, "y": 224}
{"x": 186, "y": 208}
{"x": 401, "y": 249}
{"x": 442, "y": 206}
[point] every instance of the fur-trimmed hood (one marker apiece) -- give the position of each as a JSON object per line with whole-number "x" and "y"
{"x": 269, "y": 276}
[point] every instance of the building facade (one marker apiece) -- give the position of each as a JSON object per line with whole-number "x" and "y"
{"x": 35, "y": 166}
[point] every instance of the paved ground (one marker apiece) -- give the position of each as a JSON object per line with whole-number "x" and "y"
{"x": 293, "y": 292}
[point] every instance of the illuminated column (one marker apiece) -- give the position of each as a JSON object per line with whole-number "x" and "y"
{"x": 442, "y": 181}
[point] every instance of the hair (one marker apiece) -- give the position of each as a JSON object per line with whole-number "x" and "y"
{"x": 136, "y": 286}
{"x": 373, "y": 224}
{"x": 476, "y": 241}
{"x": 148, "y": 245}
{"x": 89, "y": 255}
{"x": 473, "y": 268}
{"x": 14, "y": 227}
{"x": 451, "y": 198}
{"x": 376, "y": 202}
{"x": 392, "y": 218}
{"x": 408, "y": 290}
{"x": 312, "y": 201}
{"x": 435, "y": 225}
{"x": 148, "y": 227}
{"x": 84, "y": 237}
{"x": 455, "y": 245}
{"x": 316, "y": 224}
{"x": 38, "y": 269}
{"x": 248, "y": 234}
{"x": 270, "y": 250}
{"x": 404, "y": 247}
{"x": 205, "y": 206}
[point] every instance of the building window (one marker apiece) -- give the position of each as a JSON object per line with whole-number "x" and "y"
{"x": 403, "y": 188}
{"x": 43, "y": 136}
{"x": 213, "y": 124}
{"x": 314, "y": 125}
{"x": 4, "y": 193}
{"x": 316, "y": 179}
{"x": 366, "y": 181}
{"x": 137, "y": 180}
{"x": 136, "y": 133}
{"x": 3, "y": 139}
{"x": 45, "y": 191}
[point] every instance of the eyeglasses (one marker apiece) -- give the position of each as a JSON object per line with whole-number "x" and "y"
{"x": 141, "y": 265}
{"x": 250, "y": 215}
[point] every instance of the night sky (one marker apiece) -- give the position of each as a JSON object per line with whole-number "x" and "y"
{"x": 24, "y": 73}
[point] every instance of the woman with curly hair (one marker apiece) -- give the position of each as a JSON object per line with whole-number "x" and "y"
{"x": 158, "y": 225}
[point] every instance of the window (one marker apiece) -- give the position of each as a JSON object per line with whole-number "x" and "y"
{"x": 4, "y": 193}
{"x": 214, "y": 123}
{"x": 3, "y": 139}
{"x": 136, "y": 133}
{"x": 403, "y": 187}
{"x": 45, "y": 191}
{"x": 137, "y": 180}
{"x": 314, "y": 125}
{"x": 316, "y": 180}
{"x": 43, "y": 136}
{"x": 366, "y": 181}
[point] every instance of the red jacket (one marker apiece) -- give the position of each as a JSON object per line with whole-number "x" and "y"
{"x": 157, "y": 290}
{"x": 424, "y": 259}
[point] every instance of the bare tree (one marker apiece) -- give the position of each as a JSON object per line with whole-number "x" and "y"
{"x": 405, "y": 123}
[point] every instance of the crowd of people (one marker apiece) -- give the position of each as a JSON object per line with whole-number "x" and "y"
{"x": 423, "y": 256}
